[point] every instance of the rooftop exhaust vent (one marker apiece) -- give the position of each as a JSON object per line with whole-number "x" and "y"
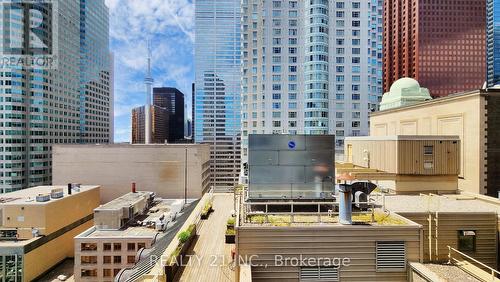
{"x": 57, "y": 193}
{"x": 43, "y": 198}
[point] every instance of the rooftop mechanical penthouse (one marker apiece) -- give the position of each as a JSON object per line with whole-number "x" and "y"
{"x": 291, "y": 166}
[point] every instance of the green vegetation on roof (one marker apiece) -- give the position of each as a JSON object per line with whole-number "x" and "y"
{"x": 286, "y": 220}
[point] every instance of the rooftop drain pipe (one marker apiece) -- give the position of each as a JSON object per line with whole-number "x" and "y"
{"x": 345, "y": 204}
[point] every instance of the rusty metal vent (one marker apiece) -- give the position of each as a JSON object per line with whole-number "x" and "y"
{"x": 319, "y": 274}
{"x": 391, "y": 255}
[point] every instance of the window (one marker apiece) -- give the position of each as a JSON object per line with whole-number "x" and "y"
{"x": 117, "y": 246}
{"x": 391, "y": 256}
{"x": 107, "y": 247}
{"x": 106, "y": 272}
{"x": 117, "y": 259}
{"x": 89, "y": 259}
{"x": 467, "y": 241}
{"x": 428, "y": 150}
{"x": 130, "y": 259}
{"x": 319, "y": 273}
{"x": 89, "y": 273}
{"x": 131, "y": 247}
{"x": 88, "y": 247}
{"x": 141, "y": 246}
{"x": 106, "y": 259}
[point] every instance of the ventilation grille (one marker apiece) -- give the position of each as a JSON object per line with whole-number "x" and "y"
{"x": 319, "y": 274}
{"x": 391, "y": 255}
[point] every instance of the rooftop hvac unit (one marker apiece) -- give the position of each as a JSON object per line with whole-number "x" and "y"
{"x": 43, "y": 198}
{"x": 76, "y": 187}
{"x": 57, "y": 193}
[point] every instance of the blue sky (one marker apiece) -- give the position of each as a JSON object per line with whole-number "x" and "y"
{"x": 170, "y": 26}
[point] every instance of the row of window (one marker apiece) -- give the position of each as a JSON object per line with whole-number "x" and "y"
{"x": 108, "y": 247}
{"x": 106, "y": 259}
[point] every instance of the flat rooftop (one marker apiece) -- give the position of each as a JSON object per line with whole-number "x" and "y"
{"x": 459, "y": 203}
{"x": 28, "y": 196}
{"x": 124, "y": 201}
{"x": 167, "y": 208}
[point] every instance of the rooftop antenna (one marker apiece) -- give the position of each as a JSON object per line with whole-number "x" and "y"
{"x": 148, "y": 81}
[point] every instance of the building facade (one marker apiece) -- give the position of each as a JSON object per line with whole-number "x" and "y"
{"x": 443, "y": 46}
{"x": 310, "y": 67}
{"x": 159, "y": 125}
{"x": 38, "y": 226}
{"x": 116, "y": 238}
{"x": 217, "y": 114}
{"x": 172, "y": 171}
{"x": 171, "y": 100}
{"x": 96, "y": 74}
{"x": 70, "y": 103}
{"x": 473, "y": 116}
{"x": 493, "y": 33}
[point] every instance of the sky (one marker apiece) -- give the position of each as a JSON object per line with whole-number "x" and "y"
{"x": 169, "y": 24}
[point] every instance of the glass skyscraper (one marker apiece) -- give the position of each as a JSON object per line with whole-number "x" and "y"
{"x": 96, "y": 74}
{"x": 69, "y": 103}
{"x": 218, "y": 87}
{"x": 493, "y": 33}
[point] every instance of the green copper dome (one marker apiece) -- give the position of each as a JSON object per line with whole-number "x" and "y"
{"x": 403, "y": 92}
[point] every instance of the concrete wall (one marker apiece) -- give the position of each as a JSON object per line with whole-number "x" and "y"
{"x": 461, "y": 115}
{"x": 358, "y": 243}
{"x": 155, "y": 168}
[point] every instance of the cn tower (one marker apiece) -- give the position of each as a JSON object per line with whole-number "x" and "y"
{"x": 148, "y": 81}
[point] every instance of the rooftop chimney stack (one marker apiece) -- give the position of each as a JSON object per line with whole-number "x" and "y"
{"x": 70, "y": 188}
{"x": 134, "y": 190}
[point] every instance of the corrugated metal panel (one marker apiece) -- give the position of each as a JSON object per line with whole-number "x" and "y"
{"x": 391, "y": 255}
{"x": 324, "y": 241}
{"x": 407, "y": 156}
{"x": 485, "y": 225}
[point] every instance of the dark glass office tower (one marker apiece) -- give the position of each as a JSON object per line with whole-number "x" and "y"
{"x": 172, "y": 100}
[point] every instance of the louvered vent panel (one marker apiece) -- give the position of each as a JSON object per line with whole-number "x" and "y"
{"x": 391, "y": 255}
{"x": 319, "y": 274}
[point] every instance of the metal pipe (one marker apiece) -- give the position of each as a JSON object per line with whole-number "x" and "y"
{"x": 185, "y": 174}
{"x": 345, "y": 205}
